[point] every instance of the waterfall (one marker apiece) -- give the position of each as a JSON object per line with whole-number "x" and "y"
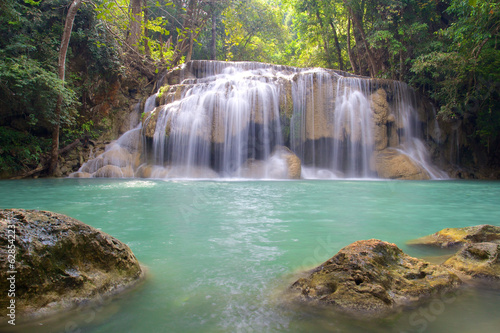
{"x": 332, "y": 125}
{"x": 254, "y": 120}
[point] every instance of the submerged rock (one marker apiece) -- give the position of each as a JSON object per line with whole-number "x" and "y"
{"x": 372, "y": 278}
{"x": 60, "y": 262}
{"x": 478, "y": 260}
{"x": 458, "y": 236}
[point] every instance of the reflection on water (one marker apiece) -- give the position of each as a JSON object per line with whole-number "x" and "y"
{"x": 222, "y": 254}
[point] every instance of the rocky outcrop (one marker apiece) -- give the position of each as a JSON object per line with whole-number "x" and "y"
{"x": 380, "y": 108}
{"x": 459, "y": 236}
{"x": 479, "y": 261}
{"x": 319, "y": 105}
{"x": 372, "y": 278}
{"x": 392, "y": 164}
{"x": 293, "y": 163}
{"x": 59, "y": 263}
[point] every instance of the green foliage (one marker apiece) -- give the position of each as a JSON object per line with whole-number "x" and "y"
{"x": 462, "y": 73}
{"x": 32, "y": 91}
{"x": 253, "y": 31}
{"x": 30, "y": 37}
{"x": 86, "y": 129}
{"x": 163, "y": 89}
{"x": 19, "y": 150}
{"x": 447, "y": 49}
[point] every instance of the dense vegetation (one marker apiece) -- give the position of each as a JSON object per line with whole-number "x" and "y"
{"x": 446, "y": 49}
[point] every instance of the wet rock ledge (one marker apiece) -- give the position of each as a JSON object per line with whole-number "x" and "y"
{"x": 60, "y": 263}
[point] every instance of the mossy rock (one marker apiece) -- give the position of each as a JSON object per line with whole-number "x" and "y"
{"x": 450, "y": 237}
{"x": 479, "y": 261}
{"x": 60, "y": 263}
{"x": 372, "y": 278}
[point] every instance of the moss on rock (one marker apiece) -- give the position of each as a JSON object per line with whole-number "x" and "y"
{"x": 478, "y": 261}
{"x": 449, "y": 237}
{"x": 372, "y": 278}
{"x": 61, "y": 262}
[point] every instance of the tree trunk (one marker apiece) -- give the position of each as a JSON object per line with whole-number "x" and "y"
{"x": 213, "y": 45}
{"x": 359, "y": 26}
{"x": 147, "y": 50}
{"x": 68, "y": 26}
{"x": 324, "y": 36}
{"x": 135, "y": 24}
{"x": 337, "y": 46}
{"x": 349, "y": 49}
{"x": 190, "y": 49}
{"x": 401, "y": 65}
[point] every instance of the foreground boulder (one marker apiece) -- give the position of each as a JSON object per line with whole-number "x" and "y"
{"x": 372, "y": 278}
{"x": 59, "y": 263}
{"x": 480, "y": 261}
{"x": 459, "y": 236}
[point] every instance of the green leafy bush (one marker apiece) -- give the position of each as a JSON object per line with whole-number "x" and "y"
{"x": 19, "y": 151}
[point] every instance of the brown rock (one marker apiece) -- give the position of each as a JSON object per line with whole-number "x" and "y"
{"x": 478, "y": 260}
{"x": 60, "y": 263}
{"x": 380, "y": 106}
{"x": 80, "y": 175}
{"x": 293, "y": 163}
{"x": 320, "y": 101}
{"x": 372, "y": 278}
{"x": 149, "y": 122}
{"x": 392, "y": 164}
{"x": 286, "y": 99}
{"x": 110, "y": 171}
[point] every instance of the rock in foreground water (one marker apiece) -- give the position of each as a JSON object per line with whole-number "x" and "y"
{"x": 459, "y": 236}
{"x": 478, "y": 260}
{"x": 372, "y": 278}
{"x": 60, "y": 262}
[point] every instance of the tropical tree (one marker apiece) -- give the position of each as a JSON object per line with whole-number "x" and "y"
{"x": 253, "y": 31}
{"x": 68, "y": 27}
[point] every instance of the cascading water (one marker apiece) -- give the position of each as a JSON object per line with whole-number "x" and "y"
{"x": 220, "y": 124}
{"x": 253, "y": 120}
{"x": 332, "y": 125}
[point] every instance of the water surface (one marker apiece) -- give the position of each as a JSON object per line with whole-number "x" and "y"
{"x": 220, "y": 254}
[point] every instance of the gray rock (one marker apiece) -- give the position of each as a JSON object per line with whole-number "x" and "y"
{"x": 60, "y": 263}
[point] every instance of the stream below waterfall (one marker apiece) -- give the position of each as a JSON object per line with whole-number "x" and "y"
{"x": 221, "y": 254}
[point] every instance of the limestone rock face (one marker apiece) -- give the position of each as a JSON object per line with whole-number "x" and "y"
{"x": 293, "y": 163}
{"x": 458, "y": 236}
{"x": 478, "y": 260}
{"x": 380, "y": 108}
{"x": 318, "y": 122}
{"x": 392, "y": 164}
{"x": 61, "y": 262}
{"x": 372, "y": 278}
{"x": 149, "y": 123}
{"x": 110, "y": 171}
